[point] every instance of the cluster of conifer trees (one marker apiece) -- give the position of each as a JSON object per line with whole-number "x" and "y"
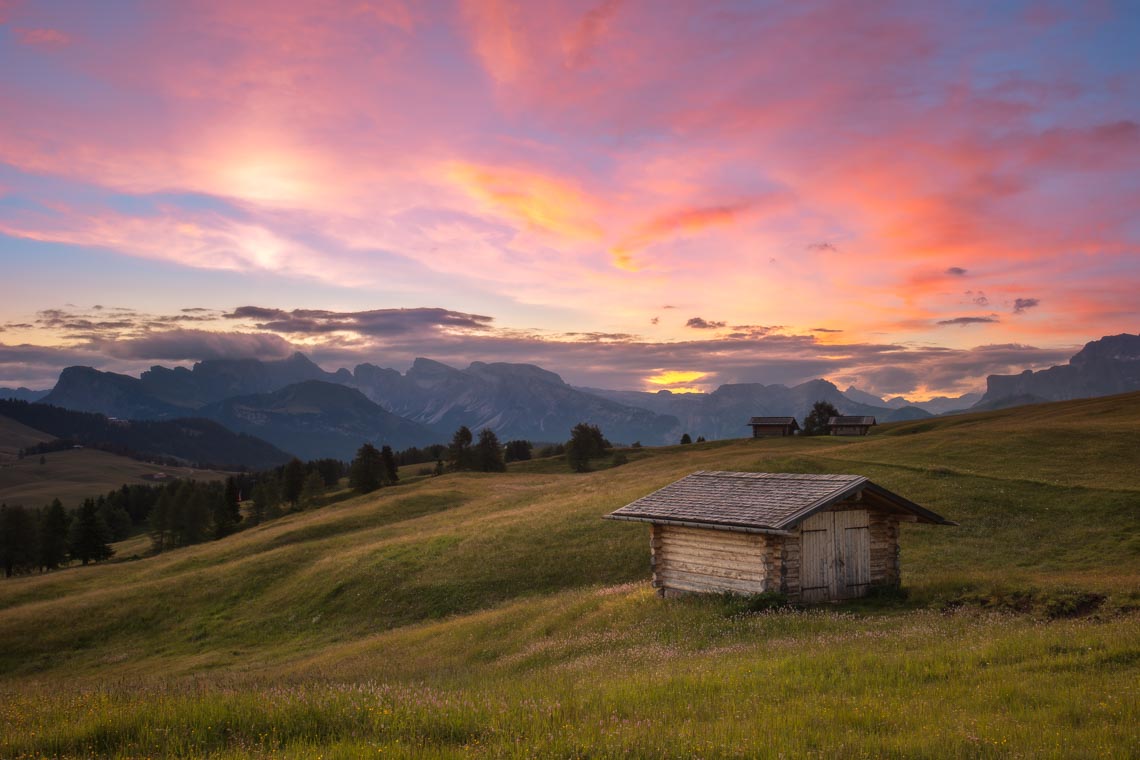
{"x": 465, "y": 453}
{"x": 186, "y": 512}
{"x": 178, "y": 513}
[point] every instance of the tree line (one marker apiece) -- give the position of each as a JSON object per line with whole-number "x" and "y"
{"x": 187, "y": 512}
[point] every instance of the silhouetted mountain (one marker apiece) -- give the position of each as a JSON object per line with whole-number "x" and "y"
{"x": 315, "y": 419}
{"x": 1102, "y": 368}
{"x": 198, "y": 442}
{"x": 514, "y": 400}
{"x": 22, "y": 394}
{"x": 521, "y": 400}
{"x": 724, "y": 413}
{"x": 939, "y": 404}
{"x": 870, "y": 399}
{"x": 217, "y": 379}
{"x": 934, "y": 406}
{"x": 1006, "y": 403}
{"x": 85, "y": 389}
{"x": 905, "y": 413}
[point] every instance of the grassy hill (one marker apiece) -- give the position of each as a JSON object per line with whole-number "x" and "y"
{"x": 73, "y": 475}
{"x": 498, "y": 615}
{"x": 15, "y": 436}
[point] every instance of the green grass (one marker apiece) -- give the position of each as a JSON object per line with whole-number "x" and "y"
{"x": 498, "y": 615}
{"x": 75, "y": 474}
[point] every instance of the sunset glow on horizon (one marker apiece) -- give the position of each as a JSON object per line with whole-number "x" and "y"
{"x": 901, "y": 196}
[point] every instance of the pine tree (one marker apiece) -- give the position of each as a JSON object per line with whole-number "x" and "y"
{"x": 53, "y": 536}
{"x": 293, "y": 480}
{"x": 90, "y": 538}
{"x": 272, "y": 494}
{"x": 686, "y": 439}
{"x": 488, "y": 452}
{"x": 227, "y": 509}
{"x": 258, "y": 502}
{"x": 366, "y": 472}
{"x": 459, "y": 452}
{"x": 160, "y": 521}
{"x": 193, "y": 518}
{"x": 518, "y": 450}
{"x": 17, "y": 540}
{"x": 389, "y": 470}
{"x": 312, "y": 490}
{"x": 116, "y": 518}
{"x": 586, "y": 443}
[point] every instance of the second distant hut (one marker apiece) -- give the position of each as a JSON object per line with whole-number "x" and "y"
{"x": 850, "y": 425}
{"x": 773, "y": 427}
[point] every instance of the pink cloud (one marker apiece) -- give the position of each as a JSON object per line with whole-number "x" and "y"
{"x": 43, "y": 37}
{"x": 544, "y": 154}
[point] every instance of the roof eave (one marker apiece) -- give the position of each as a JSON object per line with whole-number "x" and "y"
{"x": 729, "y": 527}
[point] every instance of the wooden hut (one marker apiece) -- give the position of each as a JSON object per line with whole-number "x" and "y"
{"x": 773, "y": 427}
{"x": 811, "y": 537}
{"x": 850, "y": 425}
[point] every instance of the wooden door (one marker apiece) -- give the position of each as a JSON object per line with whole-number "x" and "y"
{"x": 835, "y": 555}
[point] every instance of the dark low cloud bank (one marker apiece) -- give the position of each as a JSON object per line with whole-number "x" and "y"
{"x": 191, "y": 345}
{"x": 698, "y": 323}
{"x": 395, "y": 337}
{"x": 963, "y": 321}
{"x": 378, "y": 322}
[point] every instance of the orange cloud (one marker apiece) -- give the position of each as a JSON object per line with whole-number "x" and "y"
{"x": 683, "y": 221}
{"x": 539, "y": 201}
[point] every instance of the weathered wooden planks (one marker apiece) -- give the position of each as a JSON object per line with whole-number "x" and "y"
{"x": 834, "y": 554}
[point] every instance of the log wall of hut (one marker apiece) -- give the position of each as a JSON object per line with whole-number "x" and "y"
{"x": 705, "y": 560}
{"x": 850, "y": 429}
{"x": 771, "y": 431}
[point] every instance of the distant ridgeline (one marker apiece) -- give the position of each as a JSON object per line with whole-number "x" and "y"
{"x": 198, "y": 442}
{"x": 300, "y": 408}
{"x": 1103, "y": 367}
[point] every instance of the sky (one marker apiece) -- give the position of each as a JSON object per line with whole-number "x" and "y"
{"x": 638, "y": 195}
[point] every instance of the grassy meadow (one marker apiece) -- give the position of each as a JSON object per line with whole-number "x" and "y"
{"x": 498, "y": 615}
{"x": 75, "y": 474}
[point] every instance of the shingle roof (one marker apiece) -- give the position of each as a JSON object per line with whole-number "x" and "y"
{"x": 756, "y": 501}
{"x": 773, "y": 421}
{"x": 851, "y": 421}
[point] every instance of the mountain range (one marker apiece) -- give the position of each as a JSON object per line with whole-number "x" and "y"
{"x": 299, "y": 407}
{"x": 196, "y": 442}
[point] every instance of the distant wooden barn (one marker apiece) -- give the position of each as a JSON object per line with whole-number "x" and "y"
{"x": 850, "y": 425}
{"x": 811, "y": 537}
{"x": 773, "y": 427}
